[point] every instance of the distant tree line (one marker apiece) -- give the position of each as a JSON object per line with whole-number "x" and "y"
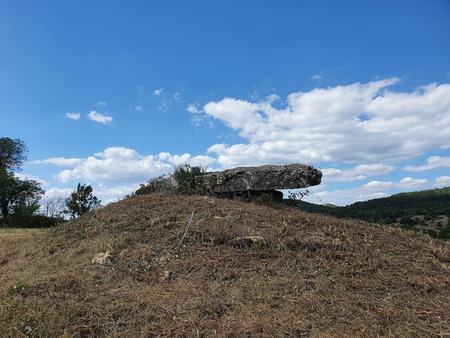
{"x": 22, "y": 201}
{"x": 399, "y": 208}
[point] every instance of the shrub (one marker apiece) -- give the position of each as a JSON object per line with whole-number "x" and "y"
{"x": 181, "y": 181}
{"x": 158, "y": 184}
{"x": 184, "y": 176}
{"x": 33, "y": 221}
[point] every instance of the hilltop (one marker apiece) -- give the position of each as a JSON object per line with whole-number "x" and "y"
{"x": 300, "y": 275}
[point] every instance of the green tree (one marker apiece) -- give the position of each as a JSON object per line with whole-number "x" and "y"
{"x": 12, "y": 153}
{"x": 81, "y": 201}
{"x": 16, "y": 195}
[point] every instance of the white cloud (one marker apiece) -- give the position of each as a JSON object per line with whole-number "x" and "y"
{"x": 164, "y": 106}
{"x": 237, "y": 114}
{"x": 193, "y": 108}
{"x": 73, "y": 116}
{"x": 167, "y": 101}
{"x": 355, "y": 123}
{"x": 370, "y": 190}
{"x": 186, "y": 158}
{"x": 442, "y": 181}
{"x": 109, "y": 194}
{"x": 102, "y": 104}
{"x": 60, "y": 161}
{"x": 344, "y": 197}
{"x": 318, "y": 76}
{"x": 379, "y": 185}
{"x": 24, "y": 176}
{"x": 97, "y": 117}
{"x": 411, "y": 183}
{"x": 58, "y": 193}
{"x": 123, "y": 165}
{"x": 374, "y": 169}
{"x": 359, "y": 172}
{"x": 405, "y": 183}
{"x": 432, "y": 162}
{"x": 258, "y": 154}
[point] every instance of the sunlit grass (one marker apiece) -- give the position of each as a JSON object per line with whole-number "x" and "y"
{"x": 315, "y": 276}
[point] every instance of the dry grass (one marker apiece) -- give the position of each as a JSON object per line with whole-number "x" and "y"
{"x": 314, "y": 276}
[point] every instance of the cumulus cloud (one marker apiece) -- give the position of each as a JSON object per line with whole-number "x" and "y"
{"x": 359, "y": 172}
{"x": 60, "y": 161}
{"x": 344, "y": 197}
{"x": 57, "y": 193}
{"x": 442, "y": 181}
{"x": 109, "y": 194}
{"x": 370, "y": 190}
{"x": 405, "y": 183}
{"x": 97, "y": 117}
{"x": 360, "y": 122}
{"x": 122, "y": 165}
{"x": 411, "y": 183}
{"x": 432, "y": 162}
{"x": 73, "y": 116}
{"x": 24, "y": 176}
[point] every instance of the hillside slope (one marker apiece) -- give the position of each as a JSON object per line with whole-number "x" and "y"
{"x": 431, "y": 207}
{"x": 310, "y": 275}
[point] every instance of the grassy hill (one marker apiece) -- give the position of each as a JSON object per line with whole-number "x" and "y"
{"x": 401, "y": 208}
{"x": 306, "y": 275}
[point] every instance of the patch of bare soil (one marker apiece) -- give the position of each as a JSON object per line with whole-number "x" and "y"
{"x": 241, "y": 270}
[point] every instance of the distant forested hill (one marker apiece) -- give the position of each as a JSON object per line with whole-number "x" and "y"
{"x": 421, "y": 210}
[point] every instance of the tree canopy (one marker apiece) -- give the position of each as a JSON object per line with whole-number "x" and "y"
{"x": 16, "y": 195}
{"x": 82, "y": 201}
{"x": 12, "y": 153}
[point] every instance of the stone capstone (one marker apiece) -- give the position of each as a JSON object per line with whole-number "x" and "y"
{"x": 266, "y": 178}
{"x": 245, "y": 183}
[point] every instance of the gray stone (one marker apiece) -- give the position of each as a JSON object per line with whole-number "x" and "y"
{"x": 262, "y": 178}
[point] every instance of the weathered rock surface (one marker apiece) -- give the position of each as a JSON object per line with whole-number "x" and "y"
{"x": 262, "y": 178}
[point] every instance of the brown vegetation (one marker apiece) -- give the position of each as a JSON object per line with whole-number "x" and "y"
{"x": 306, "y": 275}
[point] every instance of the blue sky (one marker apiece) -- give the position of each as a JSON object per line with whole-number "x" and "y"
{"x": 113, "y": 93}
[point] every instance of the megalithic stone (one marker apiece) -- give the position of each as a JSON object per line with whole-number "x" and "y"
{"x": 261, "y": 178}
